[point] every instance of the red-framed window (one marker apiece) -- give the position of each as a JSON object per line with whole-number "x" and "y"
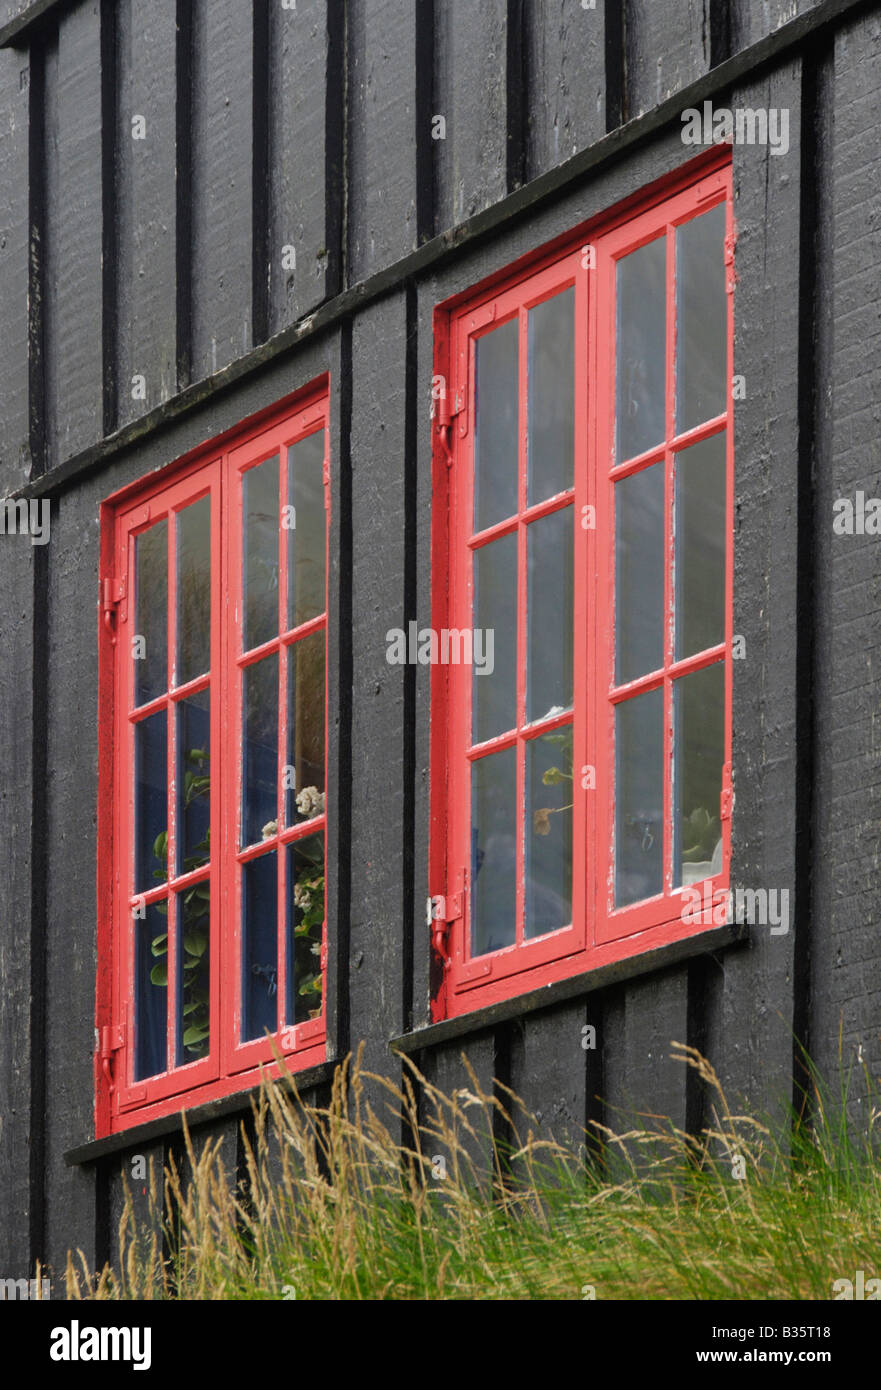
{"x": 213, "y": 638}
{"x": 582, "y": 534}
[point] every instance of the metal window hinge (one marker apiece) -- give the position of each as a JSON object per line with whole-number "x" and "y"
{"x": 112, "y": 595}
{"x": 448, "y": 411}
{"x": 112, "y": 1040}
{"x": 442, "y": 911}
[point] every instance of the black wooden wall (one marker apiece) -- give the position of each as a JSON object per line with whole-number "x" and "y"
{"x": 311, "y": 127}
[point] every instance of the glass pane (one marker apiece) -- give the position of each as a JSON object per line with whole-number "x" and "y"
{"x": 306, "y": 529}
{"x": 304, "y": 770}
{"x": 701, "y": 319}
{"x": 699, "y": 753}
{"x": 259, "y": 946}
{"x": 495, "y": 612}
{"x": 151, "y": 991}
{"x": 548, "y": 856}
{"x": 305, "y": 919}
{"x": 550, "y": 544}
{"x": 495, "y": 433}
{"x": 193, "y": 781}
{"x": 151, "y": 802}
{"x": 639, "y": 573}
{"x": 641, "y": 350}
{"x": 194, "y": 591}
{"x": 192, "y": 1012}
{"x": 151, "y": 613}
{"x": 260, "y": 752}
{"x": 260, "y": 579}
{"x": 639, "y": 797}
{"x": 493, "y": 852}
{"x": 700, "y": 546}
{"x": 551, "y": 446}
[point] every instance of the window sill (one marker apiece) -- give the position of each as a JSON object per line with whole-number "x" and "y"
{"x": 213, "y": 1110}
{"x": 586, "y": 983}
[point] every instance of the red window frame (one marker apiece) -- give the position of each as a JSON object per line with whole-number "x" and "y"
{"x": 215, "y": 470}
{"x": 598, "y": 934}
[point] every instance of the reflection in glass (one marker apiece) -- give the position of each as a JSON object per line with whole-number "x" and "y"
{"x": 701, "y": 319}
{"x": 493, "y": 852}
{"x": 548, "y": 848}
{"x": 151, "y": 991}
{"x": 551, "y": 415}
{"x": 700, "y": 546}
{"x": 193, "y": 781}
{"x": 641, "y": 356}
{"x": 193, "y": 591}
{"x": 261, "y": 551}
{"x": 305, "y": 920}
{"x": 306, "y": 529}
{"x": 495, "y": 608}
{"x": 151, "y": 613}
{"x": 699, "y": 754}
{"x": 495, "y": 434}
{"x": 193, "y": 1004}
{"x": 550, "y": 543}
{"x": 259, "y": 946}
{"x": 639, "y": 573}
{"x": 639, "y": 797}
{"x": 260, "y": 749}
{"x": 151, "y": 802}
{"x": 304, "y": 770}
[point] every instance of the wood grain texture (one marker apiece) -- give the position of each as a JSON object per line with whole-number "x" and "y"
{"x": 567, "y": 81}
{"x": 14, "y": 253}
{"x": 471, "y": 93}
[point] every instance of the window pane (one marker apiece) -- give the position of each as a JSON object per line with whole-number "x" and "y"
{"x": 495, "y": 610}
{"x": 495, "y": 433}
{"x": 305, "y": 756}
{"x": 151, "y": 802}
{"x": 260, "y": 752}
{"x": 305, "y": 919}
{"x": 193, "y": 781}
{"x": 701, "y": 319}
{"x": 192, "y": 1011}
{"x": 493, "y": 852}
{"x": 259, "y": 946}
{"x": 639, "y": 797}
{"x": 260, "y": 579}
{"x": 151, "y": 613}
{"x": 551, "y": 448}
{"x": 639, "y": 573}
{"x": 550, "y": 543}
{"x": 548, "y": 856}
{"x": 700, "y": 546}
{"x": 641, "y": 350}
{"x": 306, "y": 529}
{"x": 151, "y": 991}
{"x": 699, "y": 753}
{"x": 194, "y": 591}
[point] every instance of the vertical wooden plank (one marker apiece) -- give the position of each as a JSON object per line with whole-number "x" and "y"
{"x": 754, "y": 1033}
{"x": 14, "y": 251}
{"x": 17, "y": 559}
{"x": 124, "y": 1172}
{"x": 549, "y": 1072}
{"x": 847, "y": 877}
{"x": 305, "y": 136}
{"x": 753, "y": 19}
{"x": 377, "y": 850}
{"x": 472, "y": 96}
{"x": 74, "y": 282}
{"x": 656, "y": 1015}
{"x": 667, "y": 46}
{"x": 567, "y": 81}
{"x": 146, "y": 214}
{"x": 222, "y": 127}
{"x": 470, "y": 1124}
{"x": 381, "y": 175}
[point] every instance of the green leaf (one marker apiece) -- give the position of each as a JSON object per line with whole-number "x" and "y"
{"x": 159, "y": 945}
{"x": 159, "y": 974}
{"x": 160, "y": 845}
{"x": 195, "y": 944}
{"x": 553, "y": 776}
{"x": 196, "y": 1034}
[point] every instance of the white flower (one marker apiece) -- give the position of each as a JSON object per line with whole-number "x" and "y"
{"x": 302, "y": 897}
{"x": 316, "y": 949}
{"x": 310, "y": 802}
{"x": 269, "y": 829}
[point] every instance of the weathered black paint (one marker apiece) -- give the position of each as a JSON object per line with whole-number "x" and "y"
{"x": 163, "y": 258}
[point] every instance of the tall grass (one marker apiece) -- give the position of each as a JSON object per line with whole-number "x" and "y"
{"x": 335, "y": 1206}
